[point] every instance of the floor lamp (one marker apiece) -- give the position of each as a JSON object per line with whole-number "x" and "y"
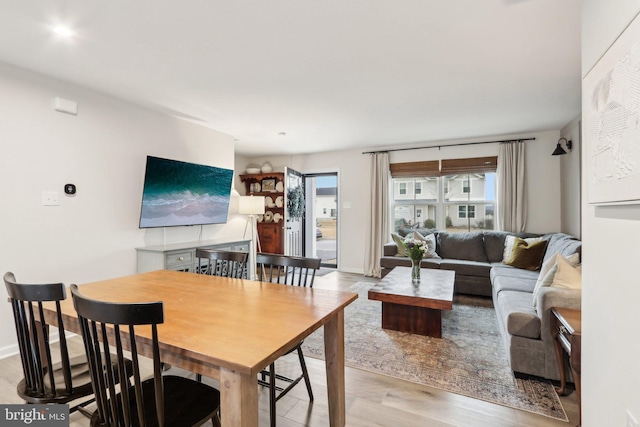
{"x": 252, "y": 206}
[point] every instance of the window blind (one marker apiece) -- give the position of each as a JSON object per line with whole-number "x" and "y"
{"x": 448, "y": 167}
{"x": 475, "y": 164}
{"x": 413, "y": 169}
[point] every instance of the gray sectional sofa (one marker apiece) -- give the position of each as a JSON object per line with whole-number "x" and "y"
{"x": 477, "y": 260}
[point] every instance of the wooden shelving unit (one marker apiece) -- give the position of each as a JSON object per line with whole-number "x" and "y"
{"x": 270, "y": 232}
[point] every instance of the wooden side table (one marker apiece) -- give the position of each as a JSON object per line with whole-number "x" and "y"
{"x": 566, "y": 329}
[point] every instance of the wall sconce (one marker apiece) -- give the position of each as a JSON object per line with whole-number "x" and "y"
{"x": 559, "y": 150}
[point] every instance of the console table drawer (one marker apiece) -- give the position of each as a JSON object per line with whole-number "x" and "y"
{"x": 179, "y": 258}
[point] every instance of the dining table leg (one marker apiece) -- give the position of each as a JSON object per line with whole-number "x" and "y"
{"x": 334, "y": 359}
{"x": 238, "y": 399}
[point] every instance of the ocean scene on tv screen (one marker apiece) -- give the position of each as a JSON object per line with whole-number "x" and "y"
{"x": 179, "y": 193}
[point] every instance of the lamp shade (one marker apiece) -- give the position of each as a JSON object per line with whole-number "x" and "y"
{"x": 251, "y": 205}
{"x": 558, "y": 151}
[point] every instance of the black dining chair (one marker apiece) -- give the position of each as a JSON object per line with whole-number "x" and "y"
{"x": 222, "y": 263}
{"x": 68, "y": 379}
{"x": 293, "y": 271}
{"x": 157, "y": 401}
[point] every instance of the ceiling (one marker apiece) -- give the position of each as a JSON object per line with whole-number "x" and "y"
{"x": 331, "y": 74}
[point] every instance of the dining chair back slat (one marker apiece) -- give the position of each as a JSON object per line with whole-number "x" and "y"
{"x": 110, "y": 328}
{"x": 287, "y": 270}
{"x": 45, "y": 382}
{"x": 222, "y": 263}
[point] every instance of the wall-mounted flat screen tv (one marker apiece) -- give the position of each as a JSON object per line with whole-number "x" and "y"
{"x": 179, "y": 193}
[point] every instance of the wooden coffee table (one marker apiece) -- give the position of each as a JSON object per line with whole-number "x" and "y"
{"x": 415, "y": 308}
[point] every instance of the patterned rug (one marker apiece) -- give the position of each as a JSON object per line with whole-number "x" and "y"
{"x": 469, "y": 360}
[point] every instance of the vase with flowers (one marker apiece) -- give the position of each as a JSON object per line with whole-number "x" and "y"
{"x": 415, "y": 250}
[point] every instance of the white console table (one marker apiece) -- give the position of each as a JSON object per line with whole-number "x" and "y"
{"x": 182, "y": 256}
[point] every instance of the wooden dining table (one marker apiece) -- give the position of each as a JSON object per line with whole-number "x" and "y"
{"x": 230, "y": 329}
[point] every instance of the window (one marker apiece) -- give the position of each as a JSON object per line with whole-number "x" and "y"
{"x": 469, "y": 204}
{"x": 457, "y": 195}
{"x": 465, "y": 211}
{"x": 466, "y": 185}
{"x": 418, "y": 208}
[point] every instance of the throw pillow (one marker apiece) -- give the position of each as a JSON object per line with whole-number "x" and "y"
{"x": 527, "y": 255}
{"x": 464, "y": 246}
{"x": 548, "y": 273}
{"x": 429, "y": 241}
{"x": 399, "y": 240}
{"x": 510, "y": 240}
{"x": 567, "y": 276}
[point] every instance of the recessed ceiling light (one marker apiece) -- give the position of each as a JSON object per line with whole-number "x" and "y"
{"x": 63, "y": 31}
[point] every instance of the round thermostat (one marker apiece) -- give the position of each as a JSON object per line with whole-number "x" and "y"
{"x": 70, "y": 189}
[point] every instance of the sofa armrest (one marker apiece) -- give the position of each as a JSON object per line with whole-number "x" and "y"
{"x": 390, "y": 249}
{"x": 550, "y": 296}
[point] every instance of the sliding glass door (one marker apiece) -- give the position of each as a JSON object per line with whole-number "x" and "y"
{"x": 321, "y": 217}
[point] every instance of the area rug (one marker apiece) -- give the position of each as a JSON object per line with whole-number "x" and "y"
{"x": 469, "y": 359}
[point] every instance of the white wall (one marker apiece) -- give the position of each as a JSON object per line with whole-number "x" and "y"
{"x": 543, "y": 175}
{"x": 610, "y": 295}
{"x": 570, "y": 186}
{"x": 102, "y": 150}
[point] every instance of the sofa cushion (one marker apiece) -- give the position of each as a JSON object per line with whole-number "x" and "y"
{"x": 568, "y": 276}
{"x": 399, "y": 241}
{"x": 518, "y": 314}
{"x": 390, "y": 249}
{"x": 510, "y": 241}
{"x": 515, "y": 283}
{"x": 429, "y": 241}
{"x": 467, "y": 246}
{"x": 500, "y": 269}
{"x": 389, "y": 262}
{"x": 403, "y": 231}
{"x": 527, "y": 255}
{"x": 431, "y": 263}
{"x": 466, "y": 268}
{"x": 548, "y": 273}
{"x": 494, "y": 244}
{"x": 563, "y": 244}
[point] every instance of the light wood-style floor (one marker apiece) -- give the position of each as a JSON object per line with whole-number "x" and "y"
{"x": 371, "y": 399}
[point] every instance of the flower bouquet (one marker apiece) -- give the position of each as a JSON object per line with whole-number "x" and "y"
{"x": 415, "y": 250}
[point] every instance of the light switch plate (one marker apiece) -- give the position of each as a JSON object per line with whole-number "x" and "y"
{"x": 50, "y": 198}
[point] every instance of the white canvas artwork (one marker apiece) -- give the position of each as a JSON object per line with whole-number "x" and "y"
{"x": 611, "y": 110}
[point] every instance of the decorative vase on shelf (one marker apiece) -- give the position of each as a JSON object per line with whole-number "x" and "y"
{"x": 415, "y": 270}
{"x": 266, "y": 168}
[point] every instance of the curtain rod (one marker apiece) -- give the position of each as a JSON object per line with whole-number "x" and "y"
{"x": 449, "y": 145}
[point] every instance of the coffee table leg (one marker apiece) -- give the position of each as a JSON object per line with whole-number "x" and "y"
{"x": 415, "y": 320}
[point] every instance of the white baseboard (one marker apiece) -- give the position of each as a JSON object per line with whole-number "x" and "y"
{"x": 12, "y": 349}
{"x": 8, "y": 351}
{"x": 352, "y": 270}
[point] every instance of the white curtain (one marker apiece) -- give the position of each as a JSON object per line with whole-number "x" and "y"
{"x": 511, "y": 214}
{"x": 378, "y": 226}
